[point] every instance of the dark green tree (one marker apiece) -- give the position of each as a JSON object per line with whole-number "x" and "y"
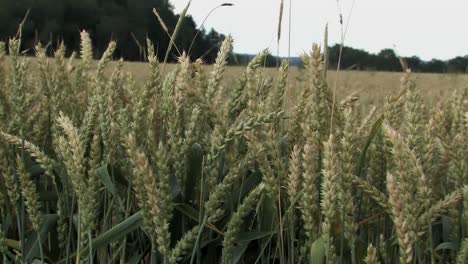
{"x": 458, "y": 64}
{"x": 129, "y": 22}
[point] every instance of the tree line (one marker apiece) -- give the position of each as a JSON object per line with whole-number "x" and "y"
{"x": 388, "y": 60}
{"x": 129, "y": 22}
{"x": 358, "y": 59}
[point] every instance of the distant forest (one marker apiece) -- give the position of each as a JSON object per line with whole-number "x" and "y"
{"x": 387, "y": 60}
{"x": 129, "y": 22}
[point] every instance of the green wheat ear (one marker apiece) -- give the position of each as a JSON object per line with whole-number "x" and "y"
{"x": 30, "y": 194}
{"x": 219, "y": 67}
{"x": 329, "y": 190}
{"x": 371, "y": 257}
{"x": 310, "y": 198}
{"x": 236, "y": 222}
{"x": 405, "y": 241}
{"x": 346, "y": 193}
{"x": 86, "y": 50}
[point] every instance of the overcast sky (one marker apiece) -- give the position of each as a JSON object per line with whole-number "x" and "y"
{"x": 426, "y": 28}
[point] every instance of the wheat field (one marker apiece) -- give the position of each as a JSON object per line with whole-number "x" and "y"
{"x": 371, "y": 87}
{"x": 114, "y": 162}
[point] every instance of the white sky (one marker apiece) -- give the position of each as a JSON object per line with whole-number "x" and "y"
{"x": 426, "y": 28}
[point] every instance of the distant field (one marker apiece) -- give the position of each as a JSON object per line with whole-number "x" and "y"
{"x": 371, "y": 87}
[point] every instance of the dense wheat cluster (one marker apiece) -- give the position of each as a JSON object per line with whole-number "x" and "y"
{"x": 187, "y": 168}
